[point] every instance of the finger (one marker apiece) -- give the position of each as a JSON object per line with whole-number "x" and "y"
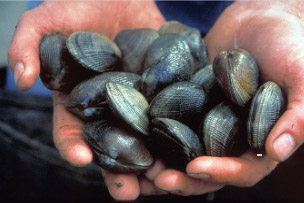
{"x": 157, "y": 167}
{"x": 23, "y": 53}
{"x": 179, "y": 183}
{"x": 147, "y": 187}
{"x": 244, "y": 171}
{"x": 121, "y": 186}
{"x": 67, "y": 133}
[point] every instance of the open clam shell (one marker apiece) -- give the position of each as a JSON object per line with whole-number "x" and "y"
{"x": 174, "y": 142}
{"x": 129, "y": 105}
{"x": 266, "y": 108}
{"x": 117, "y": 149}
{"x": 94, "y": 51}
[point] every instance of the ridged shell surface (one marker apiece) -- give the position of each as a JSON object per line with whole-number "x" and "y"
{"x": 129, "y": 105}
{"x": 88, "y": 99}
{"x": 94, "y": 51}
{"x": 117, "y": 149}
{"x": 133, "y": 44}
{"x": 266, "y": 108}
{"x": 221, "y": 132}
{"x": 237, "y": 74}
{"x": 180, "y": 101}
{"x": 168, "y": 60}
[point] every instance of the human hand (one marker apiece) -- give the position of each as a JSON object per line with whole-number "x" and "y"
{"x": 107, "y": 18}
{"x": 273, "y": 34}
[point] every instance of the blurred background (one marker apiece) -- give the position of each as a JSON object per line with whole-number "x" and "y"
{"x": 32, "y": 169}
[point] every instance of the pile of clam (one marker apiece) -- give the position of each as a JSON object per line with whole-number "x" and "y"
{"x": 152, "y": 94}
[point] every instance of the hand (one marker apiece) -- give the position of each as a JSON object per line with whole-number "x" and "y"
{"x": 107, "y": 18}
{"x": 273, "y": 33}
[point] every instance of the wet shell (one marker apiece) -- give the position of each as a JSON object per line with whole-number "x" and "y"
{"x": 129, "y": 105}
{"x": 94, "y": 51}
{"x": 205, "y": 78}
{"x": 88, "y": 99}
{"x": 180, "y": 101}
{"x": 237, "y": 74}
{"x": 133, "y": 44}
{"x": 174, "y": 142}
{"x": 58, "y": 70}
{"x": 117, "y": 149}
{"x": 222, "y": 132}
{"x": 266, "y": 108}
{"x": 168, "y": 60}
{"x": 193, "y": 37}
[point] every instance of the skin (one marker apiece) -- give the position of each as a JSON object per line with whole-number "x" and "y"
{"x": 271, "y": 32}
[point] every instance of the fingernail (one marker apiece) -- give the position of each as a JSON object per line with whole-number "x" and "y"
{"x": 284, "y": 146}
{"x": 18, "y": 71}
{"x": 203, "y": 176}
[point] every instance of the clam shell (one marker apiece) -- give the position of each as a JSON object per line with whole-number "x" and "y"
{"x": 133, "y": 44}
{"x": 117, "y": 149}
{"x": 88, "y": 99}
{"x": 237, "y": 74}
{"x": 180, "y": 101}
{"x": 129, "y": 105}
{"x": 58, "y": 70}
{"x": 266, "y": 108}
{"x": 94, "y": 51}
{"x": 205, "y": 78}
{"x": 222, "y": 132}
{"x": 168, "y": 60}
{"x": 174, "y": 142}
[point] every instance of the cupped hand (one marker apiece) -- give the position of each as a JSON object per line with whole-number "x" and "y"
{"x": 107, "y": 18}
{"x": 273, "y": 33}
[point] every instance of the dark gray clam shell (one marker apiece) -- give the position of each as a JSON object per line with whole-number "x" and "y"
{"x": 133, "y": 44}
{"x": 193, "y": 37}
{"x": 129, "y": 105}
{"x": 237, "y": 74}
{"x": 222, "y": 132}
{"x": 116, "y": 149}
{"x": 88, "y": 99}
{"x": 180, "y": 101}
{"x": 168, "y": 60}
{"x": 266, "y": 108}
{"x": 205, "y": 78}
{"x": 58, "y": 70}
{"x": 94, "y": 51}
{"x": 174, "y": 142}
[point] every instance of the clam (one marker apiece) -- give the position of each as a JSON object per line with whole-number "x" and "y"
{"x": 129, "y": 105}
{"x": 168, "y": 60}
{"x": 172, "y": 27}
{"x": 222, "y": 133}
{"x": 88, "y": 99}
{"x": 194, "y": 39}
{"x": 133, "y": 44}
{"x": 58, "y": 70}
{"x": 237, "y": 74}
{"x": 116, "y": 149}
{"x": 94, "y": 51}
{"x": 266, "y": 107}
{"x": 174, "y": 142}
{"x": 180, "y": 101}
{"x": 205, "y": 78}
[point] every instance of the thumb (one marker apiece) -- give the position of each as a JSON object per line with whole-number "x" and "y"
{"x": 23, "y": 53}
{"x": 287, "y": 134}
